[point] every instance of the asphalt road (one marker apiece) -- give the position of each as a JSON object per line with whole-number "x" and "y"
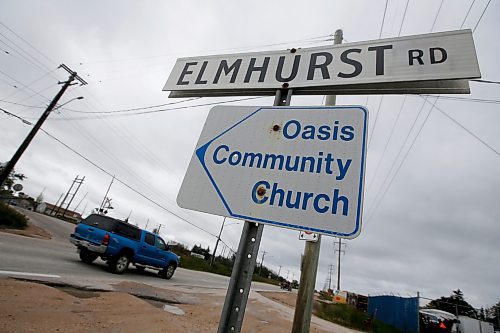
{"x": 56, "y": 260}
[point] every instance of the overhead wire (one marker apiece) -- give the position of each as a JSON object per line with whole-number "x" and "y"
{"x": 404, "y": 16}
{"x": 466, "y": 99}
{"x": 111, "y": 174}
{"x": 164, "y": 110}
{"x": 375, "y": 122}
{"x": 387, "y": 144}
{"x": 374, "y": 208}
{"x": 107, "y": 152}
{"x": 382, "y": 196}
{"x": 322, "y": 38}
{"x": 437, "y": 15}
{"x": 28, "y": 43}
{"x": 134, "y": 109}
{"x": 467, "y": 15}
{"x": 383, "y": 19}
{"x": 465, "y": 129}
{"x": 485, "y": 81}
{"x": 25, "y": 56}
{"x": 481, "y": 17}
{"x": 30, "y": 85}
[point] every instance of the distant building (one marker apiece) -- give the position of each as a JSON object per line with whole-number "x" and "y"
{"x": 51, "y": 210}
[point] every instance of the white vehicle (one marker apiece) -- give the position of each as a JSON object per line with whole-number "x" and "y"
{"x": 470, "y": 325}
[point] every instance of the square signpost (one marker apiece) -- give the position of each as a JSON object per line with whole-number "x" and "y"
{"x": 300, "y": 167}
{"x": 233, "y": 311}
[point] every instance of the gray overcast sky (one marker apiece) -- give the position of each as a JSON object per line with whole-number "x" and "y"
{"x": 436, "y": 227}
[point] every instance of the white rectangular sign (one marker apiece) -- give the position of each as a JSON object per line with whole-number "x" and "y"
{"x": 430, "y": 57}
{"x": 308, "y": 236}
{"x": 295, "y": 167}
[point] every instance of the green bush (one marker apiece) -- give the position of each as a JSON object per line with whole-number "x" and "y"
{"x": 348, "y": 316}
{"x": 10, "y": 218}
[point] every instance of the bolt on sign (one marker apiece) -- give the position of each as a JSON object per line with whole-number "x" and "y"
{"x": 431, "y": 63}
{"x": 294, "y": 167}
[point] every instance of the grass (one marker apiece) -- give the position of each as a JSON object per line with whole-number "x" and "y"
{"x": 197, "y": 264}
{"x": 10, "y": 218}
{"x": 348, "y": 316}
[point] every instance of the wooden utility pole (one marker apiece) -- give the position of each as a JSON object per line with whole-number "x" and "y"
{"x": 309, "y": 266}
{"x": 11, "y": 164}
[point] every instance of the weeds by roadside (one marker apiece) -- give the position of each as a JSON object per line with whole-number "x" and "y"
{"x": 10, "y": 218}
{"x": 348, "y": 316}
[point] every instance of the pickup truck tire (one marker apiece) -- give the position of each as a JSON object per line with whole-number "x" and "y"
{"x": 87, "y": 256}
{"x": 119, "y": 264}
{"x": 168, "y": 271}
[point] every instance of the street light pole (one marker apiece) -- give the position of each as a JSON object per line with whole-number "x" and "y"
{"x": 11, "y": 164}
{"x": 217, "y": 242}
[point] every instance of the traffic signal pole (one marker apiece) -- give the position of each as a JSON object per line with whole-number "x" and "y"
{"x": 309, "y": 265}
{"x": 12, "y": 163}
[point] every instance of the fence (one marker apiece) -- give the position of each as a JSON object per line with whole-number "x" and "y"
{"x": 399, "y": 312}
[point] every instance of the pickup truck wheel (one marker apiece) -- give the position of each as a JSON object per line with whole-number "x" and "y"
{"x": 119, "y": 264}
{"x": 87, "y": 256}
{"x": 168, "y": 271}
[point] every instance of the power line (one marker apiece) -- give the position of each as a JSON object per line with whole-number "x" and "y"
{"x": 110, "y": 174}
{"x": 375, "y": 122}
{"x": 317, "y": 39}
{"x": 29, "y": 44}
{"x": 402, "y": 162}
{"x": 163, "y": 110}
{"x": 466, "y": 99}
{"x": 395, "y": 160}
{"x": 467, "y": 15}
{"x": 387, "y": 143}
{"x": 133, "y": 109}
{"x": 22, "y": 53}
{"x": 110, "y": 155}
{"x": 481, "y": 17}
{"x": 437, "y": 15}
{"x": 465, "y": 129}
{"x": 406, "y": 139}
{"x": 383, "y": 19}
{"x": 404, "y": 16}
{"x": 486, "y": 81}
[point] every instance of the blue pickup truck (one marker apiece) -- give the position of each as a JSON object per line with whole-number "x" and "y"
{"x": 120, "y": 244}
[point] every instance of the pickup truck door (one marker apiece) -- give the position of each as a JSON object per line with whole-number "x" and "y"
{"x": 147, "y": 252}
{"x": 161, "y": 253}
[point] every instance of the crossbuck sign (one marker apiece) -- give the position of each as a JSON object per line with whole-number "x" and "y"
{"x": 294, "y": 167}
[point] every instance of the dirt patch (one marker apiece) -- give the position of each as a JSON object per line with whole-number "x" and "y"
{"x": 79, "y": 293}
{"x": 30, "y": 231}
{"x": 33, "y": 307}
{"x": 286, "y": 298}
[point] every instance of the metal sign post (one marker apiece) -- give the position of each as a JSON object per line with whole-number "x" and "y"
{"x": 233, "y": 312}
